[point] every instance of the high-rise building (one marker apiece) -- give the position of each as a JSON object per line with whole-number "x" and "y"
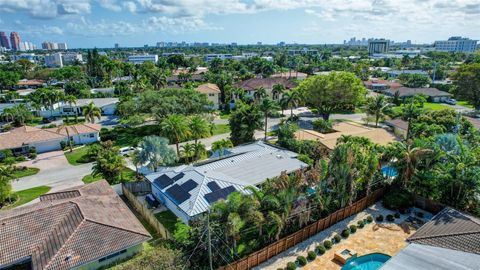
{"x": 4, "y": 40}
{"x": 62, "y": 46}
{"x": 71, "y": 57}
{"x": 26, "y": 46}
{"x": 54, "y": 60}
{"x": 456, "y": 44}
{"x": 117, "y": 46}
{"x": 15, "y": 41}
{"x": 378, "y": 46}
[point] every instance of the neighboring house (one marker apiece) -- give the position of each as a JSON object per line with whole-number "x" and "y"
{"x": 190, "y": 190}
{"x": 291, "y": 75}
{"x": 213, "y": 93}
{"x": 451, "y": 240}
{"x": 20, "y": 139}
{"x": 433, "y": 94}
{"x": 329, "y": 140}
{"x": 252, "y": 85}
{"x": 399, "y": 127}
{"x": 396, "y": 73}
{"x": 109, "y": 91}
{"x": 30, "y": 84}
{"x": 86, "y": 227}
{"x": 196, "y": 76}
{"x": 380, "y": 84}
{"x": 107, "y": 105}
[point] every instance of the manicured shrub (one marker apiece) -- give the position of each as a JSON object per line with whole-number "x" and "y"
{"x": 390, "y": 218}
{"x": 302, "y": 261}
{"x": 402, "y": 211}
{"x": 379, "y": 218}
{"x": 420, "y": 214}
{"x": 369, "y": 219}
{"x": 291, "y": 266}
{"x": 32, "y": 155}
{"x": 20, "y": 158}
{"x": 397, "y": 215}
{"x": 360, "y": 223}
{"x": 346, "y": 233}
{"x": 337, "y": 238}
{"x": 327, "y": 244}
{"x": 312, "y": 255}
{"x": 353, "y": 228}
{"x": 321, "y": 249}
{"x": 397, "y": 199}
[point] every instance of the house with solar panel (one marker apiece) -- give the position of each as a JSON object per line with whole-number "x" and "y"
{"x": 189, "y": 190}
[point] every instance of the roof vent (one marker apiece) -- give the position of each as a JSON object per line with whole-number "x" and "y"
{"x": 279, "y": 156}
{"x": 232, "y": 160}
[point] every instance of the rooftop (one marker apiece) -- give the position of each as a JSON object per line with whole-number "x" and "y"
{"x": 99, "y": 102}
{"x": 194, "y": 187}
{"x": 267, "y": 83}
{"x": 408, "y": 92}
{"x": 69, "y": 228}
{"x": 376, "y": 135}
{"x": 208, "y": 88}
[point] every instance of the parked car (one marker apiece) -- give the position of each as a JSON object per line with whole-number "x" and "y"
{"x": 126, "y": 151}
{"x": 152, "y": 202}
{"x": 451, "y": 101}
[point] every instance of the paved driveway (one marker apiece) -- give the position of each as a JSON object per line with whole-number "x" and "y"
{"x": 55, "y": 171}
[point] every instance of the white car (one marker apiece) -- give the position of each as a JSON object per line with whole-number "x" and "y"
{"x": 125, "y": 151}
{"x": 451, "y": 101}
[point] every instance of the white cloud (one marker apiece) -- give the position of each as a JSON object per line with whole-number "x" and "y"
{"x": 110, "y": 4}
{"x": 130, "y": 6}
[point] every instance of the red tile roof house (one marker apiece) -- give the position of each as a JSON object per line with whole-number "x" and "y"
{"x": 20, "y": 139}
{"x": 252, "y": 85}
{"x": 85, "y": 227}
{"x": 380, "y": 84}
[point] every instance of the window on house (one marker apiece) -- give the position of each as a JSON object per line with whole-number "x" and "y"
{"x": 211, "y": 95}
{"x": 92, "y": 135}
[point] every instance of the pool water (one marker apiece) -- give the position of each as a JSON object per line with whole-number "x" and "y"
{"x": 389, "y": 171}
{"x": 371, "y": 261}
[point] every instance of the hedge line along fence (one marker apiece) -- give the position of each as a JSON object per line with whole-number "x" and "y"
{"x": 291, "y": 240}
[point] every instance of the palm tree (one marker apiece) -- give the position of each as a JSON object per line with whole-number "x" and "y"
{"x": 199, "y": 150}
{"x": 221, "y": 145}
{"x": 377, "y": 107}
{"x": 91, "y": 112}
{"x": 410, "y": 111}
{"x": 69, "y": 140}
{"x": 267, "y": 106}
{"x": 408, "y": 157}
{"x": 175, "y": 127}
{"x": 277, "y": 90}
{"x": 156, "y": 152}
{"x": 199, "y": 128}
{"x": 70, "y": 100}
{"x": 136, "y": 160}
{"x": 259, "y": 94}
{"x": 291, "y": 99}
{"x": 188, "y": 151}
{"x": 6, "y": 175}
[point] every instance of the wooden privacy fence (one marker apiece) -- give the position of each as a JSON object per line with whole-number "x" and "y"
{"x": 287, "y": 242}
{"x": 145, "y": 212}
{"x": 428, "y": 205}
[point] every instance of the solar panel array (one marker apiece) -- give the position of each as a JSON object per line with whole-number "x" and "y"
{"x": 163, "y": 181}
{"x": 213, "y": 186}
{"x": 177, "y": 193}
{"x": 178, "y": 177}
{"x": 219, "y": 194}
{"x": 189, "y": 185}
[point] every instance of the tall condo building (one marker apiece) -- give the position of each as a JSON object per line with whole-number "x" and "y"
{"x": 456, "y": 44}
{"x": 15, "y": 41}
{"x": 4, "y": 40}
{"x": 378, "y": 46}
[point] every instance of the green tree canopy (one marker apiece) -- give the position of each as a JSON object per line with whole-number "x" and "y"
{"x": 244, "y": 120}
{"x": 467, "y": 82}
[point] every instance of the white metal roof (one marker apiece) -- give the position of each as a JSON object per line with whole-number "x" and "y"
{"x": 249, "y": 165}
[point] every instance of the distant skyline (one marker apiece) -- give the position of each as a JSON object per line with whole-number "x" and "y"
{"x": 102, "y": 23}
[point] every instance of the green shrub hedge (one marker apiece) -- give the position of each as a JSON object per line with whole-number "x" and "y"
{"x": 337, "y": 238}
{"x": 397, "y": 215}
{"x": 353, "y": 228}
{"x": 360, "y": 223}
{"x": 311, "y": 255}
{"x": 327, "y": 244}
{"x": 397, "y": 199}
{"x": 291, "y": 266}
{"x": 390, "y": 218}
{"x": 369, "y": 219}
{"x": 345, "y": 233}
{"x": 321, "y": 249}
{"x": 379, "y": 218}
{"x": 302, "y": 261}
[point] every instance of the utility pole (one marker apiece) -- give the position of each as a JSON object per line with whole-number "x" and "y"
{"x": 209, "y": 241}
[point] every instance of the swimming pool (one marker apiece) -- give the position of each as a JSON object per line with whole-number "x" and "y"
{"x": 371, "y": 261}
{"x": 389, "y": 171}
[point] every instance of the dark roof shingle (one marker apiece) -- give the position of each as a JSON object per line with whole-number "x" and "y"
{"x": 450, "y": 229}
{"x": 267, "y": 83}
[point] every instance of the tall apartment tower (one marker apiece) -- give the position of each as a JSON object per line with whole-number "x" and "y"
{"x": 15, "y": 41}
{"x": 4, "y": 40}
{"x": 378, "y": 46}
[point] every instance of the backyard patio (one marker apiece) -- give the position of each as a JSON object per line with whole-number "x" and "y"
{"x": 387, "y": 237}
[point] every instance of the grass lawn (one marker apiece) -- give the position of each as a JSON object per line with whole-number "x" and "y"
{"x": 224, "y": 115}
{"x": 35, "y": 121}
{"x": 127, "y": 175}
{"x": 465, "y": 104}
{"x": 168, "y": 219}
{"x": 27, "y": 195}
{"x": 435, "y": 106}
{"x": 77, "y": 157}
{"x": 221, "y": 129}
{"x": 27, "y": 172}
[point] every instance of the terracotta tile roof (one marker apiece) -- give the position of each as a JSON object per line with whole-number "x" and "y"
{"x": 376, "y": 135}
{"x": 267, "y": 83}
{"x": 408, "y": 92}
{"x": 450, "y": 229}
{"x": 30, "y": 82}
{"x": 64, "y": 230}
{"x": 208, "y": 88}
{"x": 26, "y": 134}
{"x": 290, "y": 75}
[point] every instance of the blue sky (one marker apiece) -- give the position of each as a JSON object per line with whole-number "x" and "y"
{"x": 101, "y": 23}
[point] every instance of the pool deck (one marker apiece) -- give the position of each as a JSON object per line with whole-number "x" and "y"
{"x": 388, "y": 238}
